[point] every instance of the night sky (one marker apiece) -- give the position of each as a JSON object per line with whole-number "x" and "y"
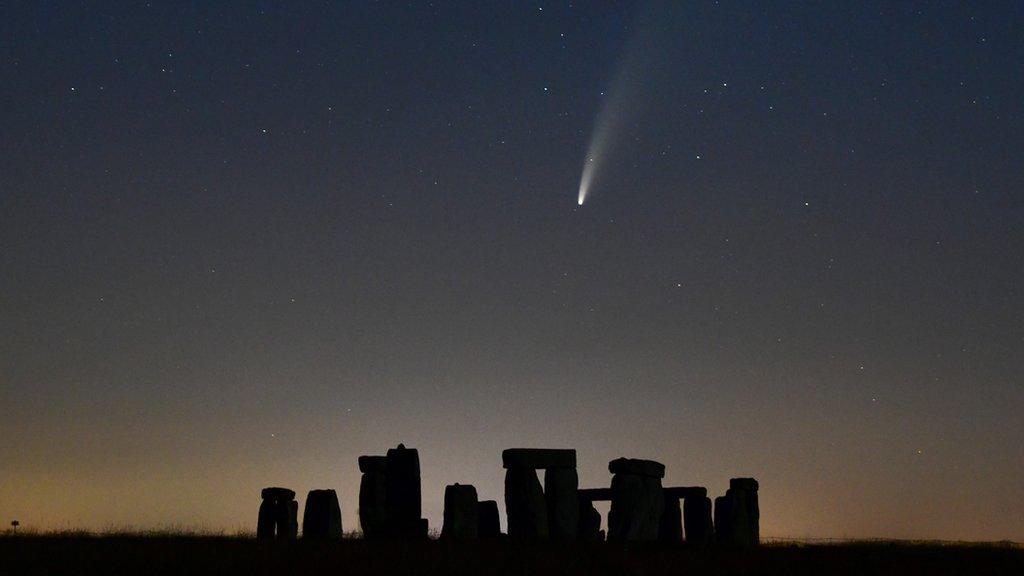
{"x": 241, "y": 245}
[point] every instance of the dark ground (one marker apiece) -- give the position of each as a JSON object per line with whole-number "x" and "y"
{"x": 211, "y": 555}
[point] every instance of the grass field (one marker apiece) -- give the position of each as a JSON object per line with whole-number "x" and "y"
{"x": 158, "y": 555}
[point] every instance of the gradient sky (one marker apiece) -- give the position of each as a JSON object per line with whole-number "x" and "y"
{"x": 241, "y": 245}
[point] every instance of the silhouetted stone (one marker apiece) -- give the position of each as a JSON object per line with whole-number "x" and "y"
{"x": 589, "y": 527}
{"x": 748, "y": 484}
{"x": 525, "y": 506}
{"x": 560, "y": 494}
{"x": 696, "y": 514}
{"x": 648, "y": 468}
{"x": 291, "y": 530}
{"x": 670, "y": 529}
{"x": 373, "y": 503}
{"x": 373, "y": 464}
{"x": 421, "y": 530}
{"x": 389, "y": 495}
{"x": 595, "y": 494}
{"x": 681, "y": 492}
{"x": 415, "y": 529}
{"x": 637, "y": 500}
{"x": 737, "y": 517}
{"x": 277, "y": 515}
{"x": 403, "y": 490}
{"x": 488, "y": 523}
{"x": 275, "y": 493}
{"x": 266, "y": 524}
{"x": 538, "y": 458}
{"x": 697, "y": 520}
{"x": 283, "y": 519}
{"x": 754, "y": 515}
{"x": 461, "y": 517}
{"x": 322, "y": 515}
{"x": 723, "y": 519}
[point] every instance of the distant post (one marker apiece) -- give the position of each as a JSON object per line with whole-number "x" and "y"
{"x": 14, "y": 525}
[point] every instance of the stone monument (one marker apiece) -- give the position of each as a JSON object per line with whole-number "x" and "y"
{"x": 278, "y": 515}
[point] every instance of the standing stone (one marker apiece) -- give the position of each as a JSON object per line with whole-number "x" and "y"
{"x": 322, "y": 515}
{"x": 732, "y": 519}
{"x": 563, "y": 506}
{"x": 590, "y": 521}
{"x": 525, "y": 505}
{"x": 265, "y": 525}
{"x": 403, "y": 492}
{"x": 697, "y": 520}
{"x": 277, "y": 514}
{"x": 737, "y": 518}
{"x": 740, "y": 518}
{"x": 461, "y": 518}
{"x": 746, "y": 488}
{"x": 723, "y": 519}
{"x": 670, "y": 531}
{"x": 334, "y": 526}
{"x": 389, "y": 495}
{"x": 291, "y": 531}
{"x": 488, "y": 523}
{"x": 637, "y": 500}
{"x": 282, "y": 520}
{"x": 373, "y": 511}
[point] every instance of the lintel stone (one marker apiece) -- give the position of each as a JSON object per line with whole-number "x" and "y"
{"x": 748, "y": 484}
{"x": 595, "y": 494}
{"x": 682, "y": 492}
{"x": 369, "y": 464}
{"x": 538, "y": 458}
{"x": 648, "y": 468}
{"x": 275, "y": 493}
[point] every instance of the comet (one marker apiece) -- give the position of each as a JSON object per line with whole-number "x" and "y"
{"x": 605, "y": 127}
{"x": 622, "y": 99}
